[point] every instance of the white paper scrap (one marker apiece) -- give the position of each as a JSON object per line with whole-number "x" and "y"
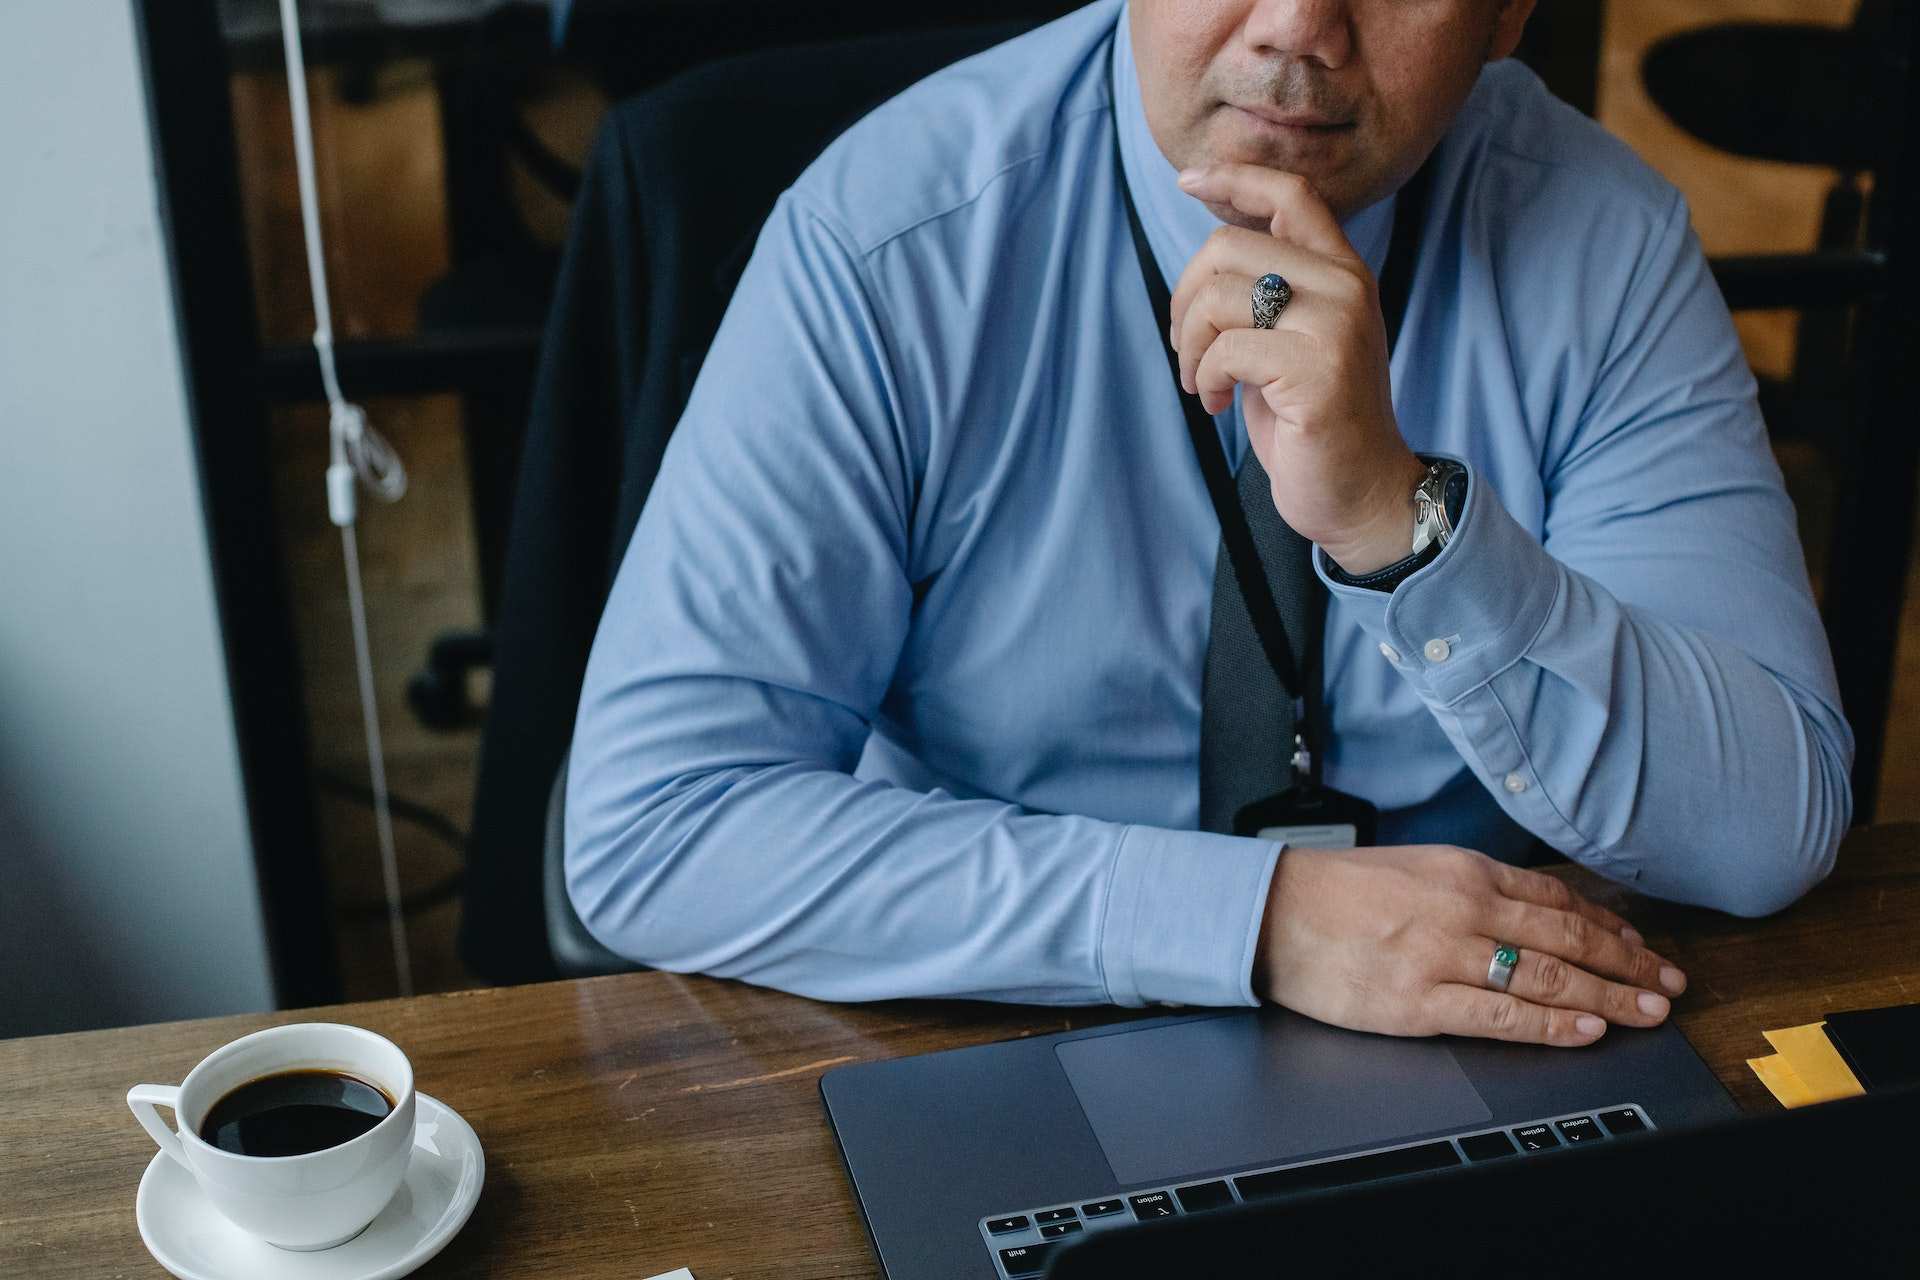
{"x": 681, "y": 1274}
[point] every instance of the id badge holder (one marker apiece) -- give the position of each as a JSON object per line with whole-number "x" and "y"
{"x": 1310, "y": 817}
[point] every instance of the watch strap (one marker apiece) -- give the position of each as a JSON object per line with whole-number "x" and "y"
{"x": 1454, "y": 496}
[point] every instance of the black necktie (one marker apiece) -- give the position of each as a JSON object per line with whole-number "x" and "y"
{"x": 1247, "y": 719}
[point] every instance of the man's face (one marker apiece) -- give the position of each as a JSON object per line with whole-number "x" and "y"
{"x": 1349, "y": 94}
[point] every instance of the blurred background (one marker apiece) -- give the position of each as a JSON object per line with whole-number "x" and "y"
{"x": 452, "y": 141}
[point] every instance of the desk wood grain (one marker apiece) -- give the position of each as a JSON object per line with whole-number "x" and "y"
{"x": 639, "y": 1123}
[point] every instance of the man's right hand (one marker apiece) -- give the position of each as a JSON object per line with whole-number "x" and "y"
{"x": 1398, "y": 940}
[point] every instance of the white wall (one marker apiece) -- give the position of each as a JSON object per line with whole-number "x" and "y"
{"x": 127, "y": 887}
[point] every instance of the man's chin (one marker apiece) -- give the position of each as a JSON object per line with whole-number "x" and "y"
{"x": 1234, "y": 217}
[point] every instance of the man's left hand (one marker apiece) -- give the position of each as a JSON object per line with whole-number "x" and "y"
{"x": 1319, "y": 405}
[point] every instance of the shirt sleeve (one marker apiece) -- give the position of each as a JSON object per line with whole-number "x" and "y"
{"x": 714, "y": 822}
{"x": 1649, "y": 688}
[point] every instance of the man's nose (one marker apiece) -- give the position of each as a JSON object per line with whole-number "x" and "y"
{"x": 1318, "y": 29}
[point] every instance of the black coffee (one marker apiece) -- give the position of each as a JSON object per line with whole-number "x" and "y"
{"x": 294, "y": 1112}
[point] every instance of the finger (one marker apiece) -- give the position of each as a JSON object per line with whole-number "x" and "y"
{"x": 1257, "y": 357}
{"x": 1293, "y": 209}
{"x": 1551, "y": 891}
{"x": 1206, "y": 319}
{"x": 1597, "y": 948}
{"x": 1545, "y": 979}
{"x": 1226, "y": 303}
{"x": 1474, "y": 1011}
{"x": 1239, "y": 252}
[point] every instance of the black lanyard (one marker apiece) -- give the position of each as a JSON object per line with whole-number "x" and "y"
{"x": 1396, "y": 284}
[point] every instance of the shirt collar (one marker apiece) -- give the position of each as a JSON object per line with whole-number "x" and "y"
{"x": 1177, "y": 224}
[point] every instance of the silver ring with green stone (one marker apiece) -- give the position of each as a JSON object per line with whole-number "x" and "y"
{"x": 1500, "y": 968}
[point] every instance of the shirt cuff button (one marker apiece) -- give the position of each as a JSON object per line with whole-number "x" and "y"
{"x": 1390, "y": 653}
{"x": 1438, "y": 650}
{"x": 1515, "y": 783}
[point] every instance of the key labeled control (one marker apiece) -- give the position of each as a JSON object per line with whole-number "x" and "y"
{"x": 1580, "y": 1129}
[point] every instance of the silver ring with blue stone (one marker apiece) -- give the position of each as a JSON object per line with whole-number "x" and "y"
{"x": 1271, "y": 294}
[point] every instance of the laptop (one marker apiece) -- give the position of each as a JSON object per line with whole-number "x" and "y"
{"x": 1821, "y": 1190}
{"x": 988, "y": 1161}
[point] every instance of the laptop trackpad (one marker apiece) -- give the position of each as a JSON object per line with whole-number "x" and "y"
{"x": 1247, "y": 1090}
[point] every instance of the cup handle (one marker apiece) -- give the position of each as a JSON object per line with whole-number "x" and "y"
{"x": 142, "y": 1099}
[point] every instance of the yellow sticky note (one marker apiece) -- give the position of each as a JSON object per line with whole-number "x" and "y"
{"x": 1786, "y": 1087}
{"x": 1814, "y": 1059}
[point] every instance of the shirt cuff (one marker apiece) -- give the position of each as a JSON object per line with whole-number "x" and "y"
{"x": 1183, "y": 917}
{"x": 1470, "y": 614}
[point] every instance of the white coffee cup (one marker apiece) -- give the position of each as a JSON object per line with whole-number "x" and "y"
{"x": 303, "y": 1202}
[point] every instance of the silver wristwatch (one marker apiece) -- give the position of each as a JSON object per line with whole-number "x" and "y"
{"x": 1430, "y": 523}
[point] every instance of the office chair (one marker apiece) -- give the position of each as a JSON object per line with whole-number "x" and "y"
{"x": 666, "y": 219}
{"x": 502, "y": 278}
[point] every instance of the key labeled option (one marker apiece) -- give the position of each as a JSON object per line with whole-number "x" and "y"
{"x": 1535, "y": 1137}
{"x": 1154, "y": 1204}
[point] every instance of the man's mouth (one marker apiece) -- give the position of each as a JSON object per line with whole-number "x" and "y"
{"x": 1297, "y": 123}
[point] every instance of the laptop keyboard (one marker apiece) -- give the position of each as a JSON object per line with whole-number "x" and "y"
{"x": 1021, "y": 1242}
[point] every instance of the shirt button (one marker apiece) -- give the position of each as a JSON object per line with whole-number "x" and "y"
{"x": 1388, "y": 652}
{"x": 1516, "y": 784}
{"x": 1438, "y": 650}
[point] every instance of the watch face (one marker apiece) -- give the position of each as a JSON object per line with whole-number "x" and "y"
{"x": 1456, "y": 495}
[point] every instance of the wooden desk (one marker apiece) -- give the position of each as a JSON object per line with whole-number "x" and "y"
{"x": 639, "y": 1123}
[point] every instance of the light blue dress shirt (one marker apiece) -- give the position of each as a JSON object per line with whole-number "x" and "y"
{"x": 898, "y": 689}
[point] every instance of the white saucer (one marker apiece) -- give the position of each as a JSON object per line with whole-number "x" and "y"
{"x": 190, "y": 1238}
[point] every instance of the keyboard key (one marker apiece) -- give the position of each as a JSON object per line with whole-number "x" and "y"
{"x": 1487, "y": 1146}
{"x": 1000, "y": 1226}
{"x": 1053, "y": 1215}
{"x": 1100, "y": 1208}
{"x": 1340, "y": 1173}
{"x": 1154, "y": 1204}
{"x": 1622, "y": 1121}
{"x": 1579, "y": 1129}
{"x": 1204, "y": 1195}
{"x": 1535, "y": 1137}
{"x": 1054, "y": 1231}
{"x": 1027, "y": 1260}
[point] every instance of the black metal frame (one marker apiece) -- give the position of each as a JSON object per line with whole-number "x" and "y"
{"x": 199, "y": 191}
{"x": 1873, "y": 534}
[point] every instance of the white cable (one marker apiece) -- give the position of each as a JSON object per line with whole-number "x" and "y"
{"x": 354, "y": 448}
{"x": 376, "y": 764}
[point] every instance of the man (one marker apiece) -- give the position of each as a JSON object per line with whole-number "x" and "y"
{"x": 901, "y": 688}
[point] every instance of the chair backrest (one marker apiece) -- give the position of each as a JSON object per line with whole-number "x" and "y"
{"x": 681, "y": 179}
